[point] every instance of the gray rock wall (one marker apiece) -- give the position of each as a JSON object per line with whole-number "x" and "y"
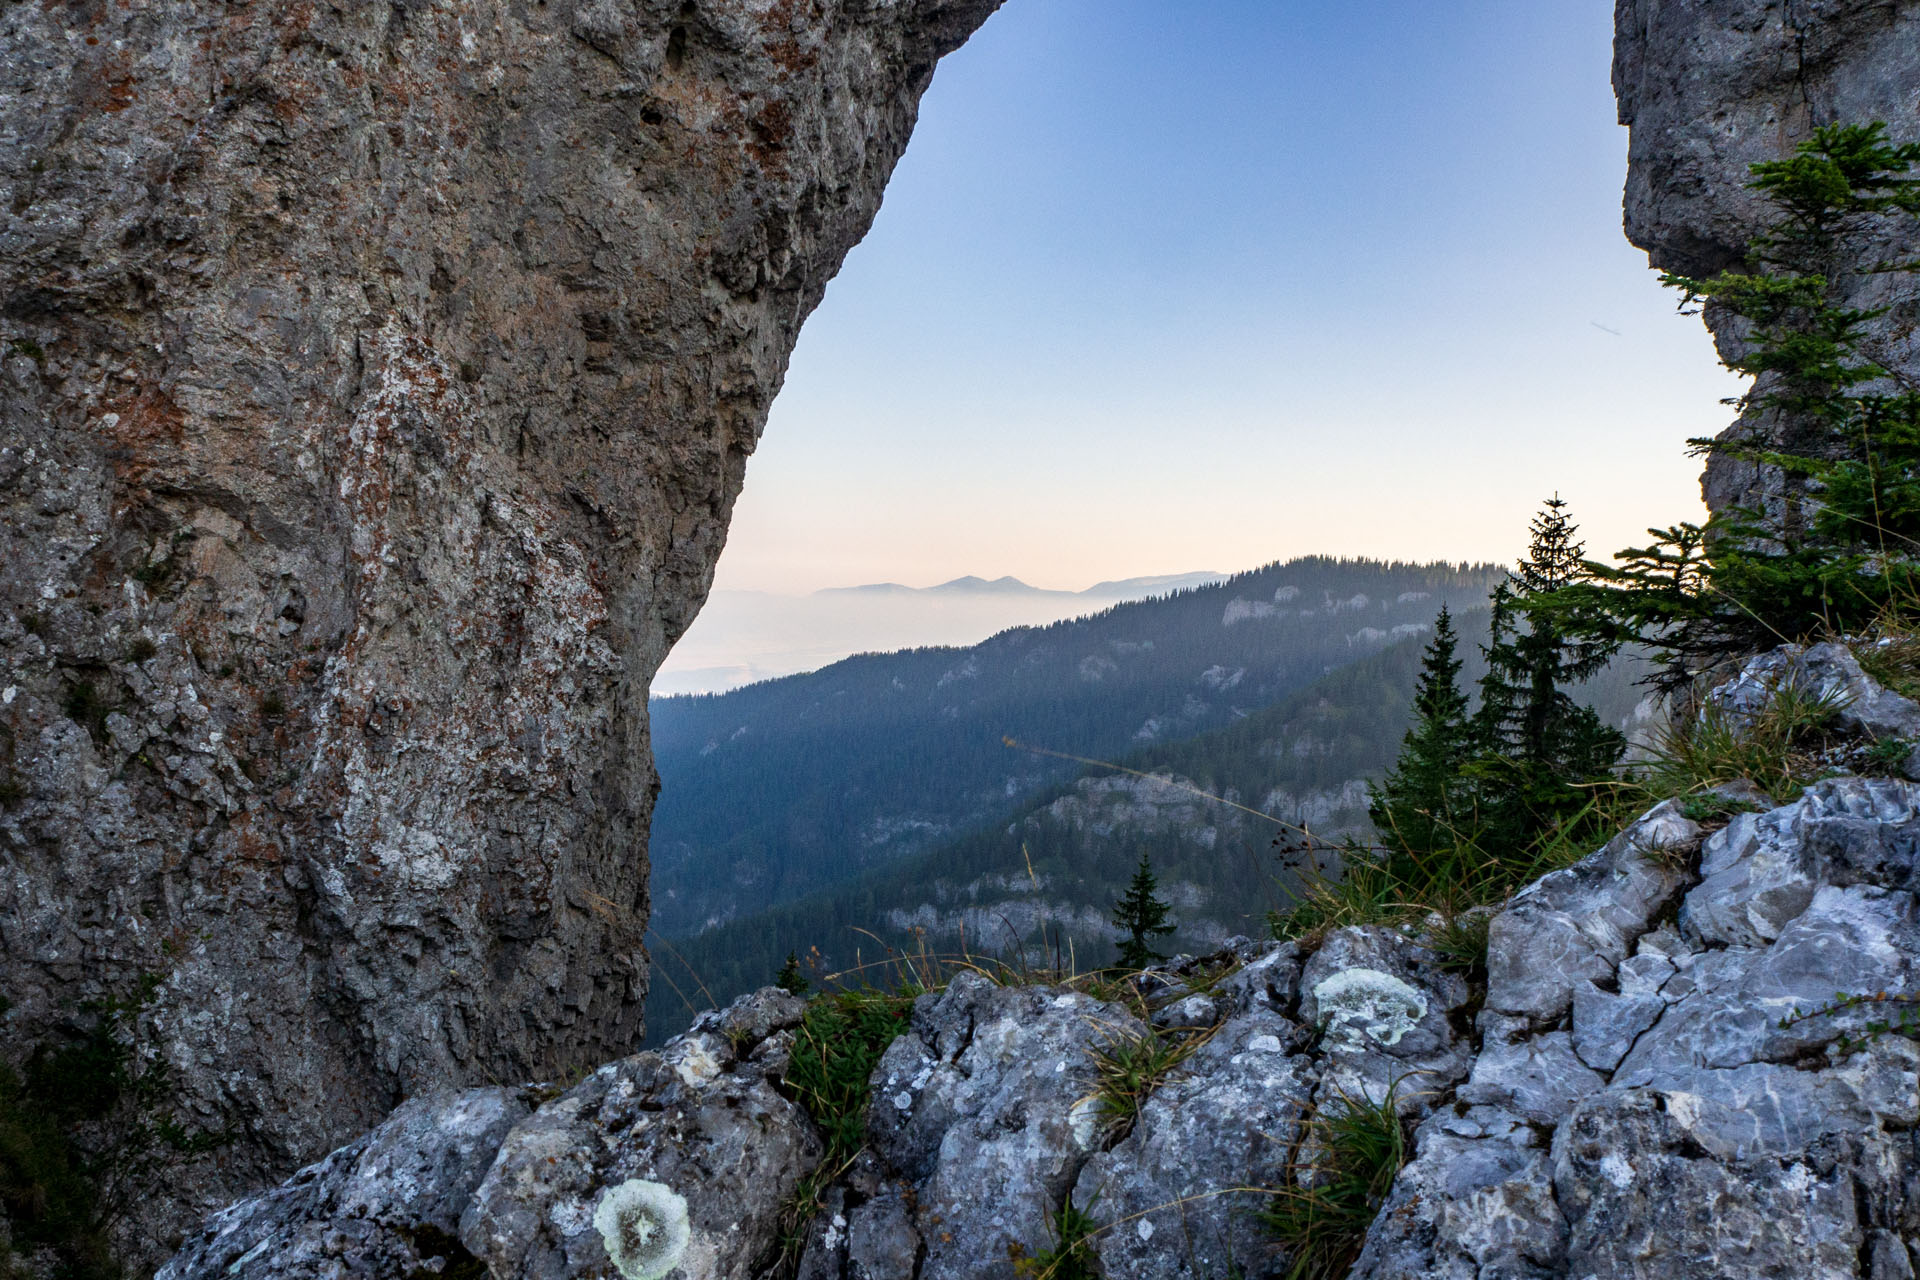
{"x": 1709, "y": 87}
{"x": 376, "y": 381}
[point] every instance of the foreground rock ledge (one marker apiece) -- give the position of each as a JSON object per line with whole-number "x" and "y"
{"x": 1624, "y": 1105}
{"x": 375, "y": 384}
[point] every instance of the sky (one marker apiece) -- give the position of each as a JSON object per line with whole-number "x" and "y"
{"x": 1170, "y": 285}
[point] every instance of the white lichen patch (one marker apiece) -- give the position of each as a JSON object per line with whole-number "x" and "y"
{"x": 1358, "y": 1004}
{"x": 696, "y": 1065}
{"x": 644, "y": 1227}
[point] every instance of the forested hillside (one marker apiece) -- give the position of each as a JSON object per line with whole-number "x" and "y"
{"x": 779, "y": 790}
{"x": 1042, "y": 877}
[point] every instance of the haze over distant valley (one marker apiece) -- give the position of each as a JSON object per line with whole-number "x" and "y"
{"x": 744, "y": 636}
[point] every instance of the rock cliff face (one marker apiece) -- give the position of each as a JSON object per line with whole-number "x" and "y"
{"x": 1708, "y": 87}
{"x": 376, "y": 383}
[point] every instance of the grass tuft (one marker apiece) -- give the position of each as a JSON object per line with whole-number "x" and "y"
{"x": 836, "y": 1049}
{"x": 1070, "y": 1258}
{"x": 1459, "y": 938}
{"x": 1891, "y": 655}
{"x": 1775, "y": 750}
{"x": 1322, "y": 1220}
{"x": 1130, "y": 1065}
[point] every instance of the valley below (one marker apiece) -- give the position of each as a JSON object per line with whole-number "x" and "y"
{"x": 928, "y": 801}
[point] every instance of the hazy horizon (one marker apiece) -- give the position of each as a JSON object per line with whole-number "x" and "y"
{"x": 744, "y": 636}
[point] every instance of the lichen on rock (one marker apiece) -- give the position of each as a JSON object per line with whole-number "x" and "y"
{"x": 1366, "y": 1002}
{"x": 644, "y": 1228}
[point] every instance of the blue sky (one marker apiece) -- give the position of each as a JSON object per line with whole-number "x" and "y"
{"x": 1199, "y": 284}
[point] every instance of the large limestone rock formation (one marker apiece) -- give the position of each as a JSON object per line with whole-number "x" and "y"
{"x": 376, "y": 380}
{"x": 1708, "y": 87}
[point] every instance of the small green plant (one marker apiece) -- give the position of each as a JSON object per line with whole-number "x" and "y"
{"x": 140, "y": 648}
{"x": 1886, "y": 755}
{"x": 272, "y": 705}
{"x": 1460, "y": 940}
{"x": 1070, "y": 1258}
{"x": 1905, "y": 1021}
{"x": 33, "y": 624}
{"x": 85, "y": 1126}
{"x": 1143, "y": 917}
{"x": 1321, "y": 1220}
{"x": 1890, "y": 652}
{"x": 836, "y": 1049}
{"x": 153, "y": 574}
{"x": 1714, "y": 808}
{"x": 1130, "y": 1065}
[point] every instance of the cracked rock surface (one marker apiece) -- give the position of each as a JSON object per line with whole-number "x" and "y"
{"x": 1634, "y": 1070}
{"x": 502, "y": 1178}
{"x": 376, "y": 382}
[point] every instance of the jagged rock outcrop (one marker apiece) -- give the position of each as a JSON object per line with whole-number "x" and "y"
{"x": 1709, "y": 87}
{"x": 1616, "y": 1094}
{"x": 376, "y": 384}
{"x": 1651, "y": 1083}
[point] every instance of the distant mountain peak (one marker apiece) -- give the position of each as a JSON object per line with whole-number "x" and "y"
{"x": 1154, "y": 584}
{"x": 974, "y": 583}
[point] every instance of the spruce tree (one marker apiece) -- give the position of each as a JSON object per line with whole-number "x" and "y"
{"x": 1143, "y": 915}
{"x": 1533, "y": 740}
{"x": 1525, "y": 714}
{"x": 1416, "y": 807}
{"x": 790, "y": 979}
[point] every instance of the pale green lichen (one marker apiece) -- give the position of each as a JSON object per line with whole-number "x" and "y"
{"x": 644, "y": 1227}
{"x": 1366, "y": 1002}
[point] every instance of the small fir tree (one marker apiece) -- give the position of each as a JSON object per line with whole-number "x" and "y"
{"x": 1417, "y": 805}
{"x": 1526, "y": 714}
{"x": 790, "y": 979}
{"x": 1144, "y": 916}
